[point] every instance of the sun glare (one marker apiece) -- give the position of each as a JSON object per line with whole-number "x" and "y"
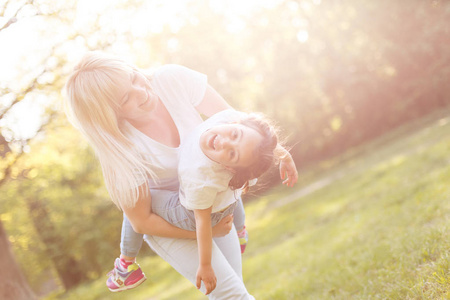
{"x": 18, "y": 63}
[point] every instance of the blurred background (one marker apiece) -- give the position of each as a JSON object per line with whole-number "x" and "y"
{"x": 333, "y": 74}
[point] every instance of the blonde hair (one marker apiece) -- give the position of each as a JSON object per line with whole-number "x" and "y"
{"x": 92, "y": 103}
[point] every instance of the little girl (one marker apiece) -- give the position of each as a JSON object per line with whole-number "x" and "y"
{"x": 217, "y": 161}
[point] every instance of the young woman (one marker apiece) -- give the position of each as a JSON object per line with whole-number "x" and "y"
{"x": 135, "y": 123}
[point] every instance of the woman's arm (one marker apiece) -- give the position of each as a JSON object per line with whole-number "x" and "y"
{"x": 144, "y": 221}
{"x": 205, "y": 271}
{"x": 212, "y": 102}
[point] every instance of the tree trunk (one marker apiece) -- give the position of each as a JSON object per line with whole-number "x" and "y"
{"x": 68, "y": 269}
{"x": 13, "y": 284}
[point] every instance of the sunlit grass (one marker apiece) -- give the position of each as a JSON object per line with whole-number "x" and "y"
{"x": 380, "y": 230}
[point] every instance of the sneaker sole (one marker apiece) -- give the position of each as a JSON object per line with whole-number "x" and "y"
{"x": 129, "y": 287}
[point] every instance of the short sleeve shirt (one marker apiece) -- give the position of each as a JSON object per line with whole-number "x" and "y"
{"x": 180, "y": 90}
{"x": 203, "y": 182}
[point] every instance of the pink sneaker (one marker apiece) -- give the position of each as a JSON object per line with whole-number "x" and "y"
{"x": 121, "y": 280}
{"x": 243, "y": 239}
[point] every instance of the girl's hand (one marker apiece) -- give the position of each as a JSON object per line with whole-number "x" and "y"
{"x": 288, "y": 170}
{"x": 206, "y": 274}
{"x": 223, "y": 227}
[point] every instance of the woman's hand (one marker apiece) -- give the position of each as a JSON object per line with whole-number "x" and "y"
{"x": 288, "y": 170}
{"x": 223, "y": 227}
{"x": 206, "y": 274}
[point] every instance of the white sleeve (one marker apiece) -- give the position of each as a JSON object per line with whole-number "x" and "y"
{"x": 199, "y": 196}
{"x": 183, "y": 82}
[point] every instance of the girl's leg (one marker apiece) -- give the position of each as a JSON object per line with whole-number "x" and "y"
{"x": 239, "y": 216}
{"x": 182, "y": 255}
{"x": 239, "y": 223}
{"x": 126, "y": 273}
{"x": 131, "y": 242}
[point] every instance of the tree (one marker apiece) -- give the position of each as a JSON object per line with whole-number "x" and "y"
{"x": 12, "y": 147}
{"x": 44, "y": 79}
{"x": 13, "y": 284}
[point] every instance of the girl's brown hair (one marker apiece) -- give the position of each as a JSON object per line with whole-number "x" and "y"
{"x": 265, "y": 153}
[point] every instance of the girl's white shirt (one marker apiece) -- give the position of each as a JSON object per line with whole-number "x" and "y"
{"x": 204, "y": 182}
{"x": 180, "y": 90}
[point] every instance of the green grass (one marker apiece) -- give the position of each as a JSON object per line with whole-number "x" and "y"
{"x": 378, "y": 229}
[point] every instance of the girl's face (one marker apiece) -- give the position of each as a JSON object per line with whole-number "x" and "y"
{"x": 232, "y": 145}
{"x": 136, "y": 98}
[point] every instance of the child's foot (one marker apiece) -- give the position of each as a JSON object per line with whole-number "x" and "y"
{"x": 243, "y": 239}
{"x": 124, "y": 276}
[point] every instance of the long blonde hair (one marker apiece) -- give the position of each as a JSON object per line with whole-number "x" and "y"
{"x": 92, "y": 103}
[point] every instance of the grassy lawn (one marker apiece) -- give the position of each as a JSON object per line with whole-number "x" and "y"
{"x": 378, "y": 228}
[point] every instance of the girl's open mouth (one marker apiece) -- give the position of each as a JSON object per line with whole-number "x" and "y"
{"x": 212, "y": 142}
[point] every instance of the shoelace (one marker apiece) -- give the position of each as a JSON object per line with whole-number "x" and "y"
{"x": 113, "y": 272}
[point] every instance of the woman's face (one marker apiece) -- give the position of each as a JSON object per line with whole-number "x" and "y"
{"x": 136, "y": 98}
{"x": 232, "y": 145}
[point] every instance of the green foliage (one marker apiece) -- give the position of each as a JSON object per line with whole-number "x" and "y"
{"x": 333, "y": 74}
{"x": 62, "y": 177}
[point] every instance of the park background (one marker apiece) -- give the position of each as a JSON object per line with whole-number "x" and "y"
{"x": 352, "y": 84}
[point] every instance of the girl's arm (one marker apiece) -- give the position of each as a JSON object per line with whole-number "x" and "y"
{"x": 144, "y": 221}
{"x": 212, "y": 103}
{"x": 205, "y": 271}
{"x": 288, "y": 170}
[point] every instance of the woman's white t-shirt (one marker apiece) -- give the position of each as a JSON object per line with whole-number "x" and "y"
{"x": 180, "y": 90}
